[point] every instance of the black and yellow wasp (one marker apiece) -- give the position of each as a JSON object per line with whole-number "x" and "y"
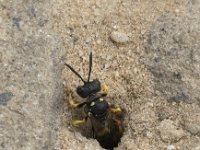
{"x": 106, "y": 120}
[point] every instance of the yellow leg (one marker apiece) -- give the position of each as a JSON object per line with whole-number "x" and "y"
{"x": 103, "y": 132}
{"x": 79, "y": 122}
{"x": 105, "y": 89}
{"x": 115, "y": 110}
{"x": 119, "y": 125}
{"x": 72, "y": 103}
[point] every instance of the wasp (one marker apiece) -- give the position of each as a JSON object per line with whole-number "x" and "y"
{"x": 106, "y": 120}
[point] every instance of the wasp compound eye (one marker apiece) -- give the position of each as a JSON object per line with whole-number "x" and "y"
{"x": 88, "y": 88}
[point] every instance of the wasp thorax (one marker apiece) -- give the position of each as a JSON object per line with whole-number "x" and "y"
{"x": 99, "y": 109}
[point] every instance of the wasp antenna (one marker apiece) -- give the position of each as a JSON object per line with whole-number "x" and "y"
{"x": 76, "y": 73}
{"x": 90, "y": 66}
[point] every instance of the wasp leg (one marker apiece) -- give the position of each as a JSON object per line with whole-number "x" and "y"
{"x": 79, "y": 122}
{"x": 73, "y": 103}
{"x": 119, "y": 125}
{"x": 116, "y": 110}
{"x": 104, "y": 131}
{"x": 105, "y": 89}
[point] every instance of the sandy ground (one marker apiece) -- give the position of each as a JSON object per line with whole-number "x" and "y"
{"x": 151, "y": 122}
{"x": 72, "y": 29}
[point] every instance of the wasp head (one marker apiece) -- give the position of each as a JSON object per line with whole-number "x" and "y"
{"x": 89, "y": 87}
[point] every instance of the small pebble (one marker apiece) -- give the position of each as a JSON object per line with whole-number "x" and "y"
{"x": 171, "y": 147}
{"x": 88, "y": 40}
{"x": 5, "y": 97}
{"x": 99, "y": 41}
{"x": 193, "y": 128}
{"x": 169, "y": 132}
{"x": 119, "y": 37}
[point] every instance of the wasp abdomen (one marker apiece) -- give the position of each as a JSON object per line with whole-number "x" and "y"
{"x": 89, "y": 88}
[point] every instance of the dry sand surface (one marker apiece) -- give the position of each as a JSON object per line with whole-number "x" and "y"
{"x": 147, "y": 52}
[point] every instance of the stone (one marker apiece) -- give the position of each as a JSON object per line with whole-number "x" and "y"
{"x": 5, "y": 97}
{"x": 171, "y": 147}
{"x": 119, "y": 37}
{"x": 169, "y": 132}
{"x": 30, "y": 92}
{"x": 173, "y": 57}
{"x": 193, "y": 128}
{"x": 192, "y": 124}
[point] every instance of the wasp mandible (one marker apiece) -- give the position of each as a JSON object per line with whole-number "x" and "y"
{"x": 106, "y": 120}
